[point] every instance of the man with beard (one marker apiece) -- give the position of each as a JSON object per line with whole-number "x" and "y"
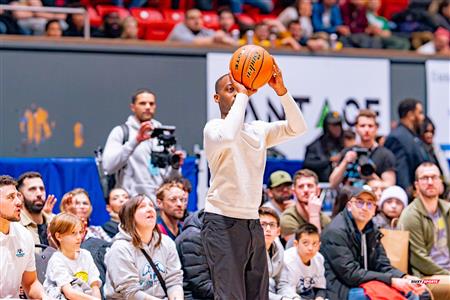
{"x": 403, "y": 141}
{"x": 32, "y": 189}
{"x": 17, "y": 262}
{"x": 111, "y": 28}
{"x": 279, "y": 192}
{"x": 172, "y": 202}
{"x": 308, "y": 207}
{"x": 427, "y": 219}
{"x": 130, "y": 158}
{"x": 322, "y": 155}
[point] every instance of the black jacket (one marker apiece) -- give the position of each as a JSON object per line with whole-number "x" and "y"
{"x": 409, "y": 153}
{"x": 111, "y": 228}
{"x": 341, "y": 246}
{"x": 197, "y": 283}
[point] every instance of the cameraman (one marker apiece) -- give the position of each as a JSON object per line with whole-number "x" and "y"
{"x": 367, "y": 160}
{"x": 130, "y": 158}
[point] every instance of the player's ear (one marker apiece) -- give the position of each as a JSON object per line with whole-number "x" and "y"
{"x": 216, "y": 98}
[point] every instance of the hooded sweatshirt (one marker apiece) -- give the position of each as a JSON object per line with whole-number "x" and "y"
{"x": 132, "y": 160}
{"x": 275, "y": 265}
{"x": 130, "y": 275}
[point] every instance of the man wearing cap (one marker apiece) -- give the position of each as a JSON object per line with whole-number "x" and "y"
{"x": 391, "y": 204}
{"x": 322, "y": 155}
{"x": 279, "y": 192}
{"x": 353, "y": 254}
{"x": 308, "y": 207}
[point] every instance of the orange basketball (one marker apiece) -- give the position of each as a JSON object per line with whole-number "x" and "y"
{"x": 252, "y": 66}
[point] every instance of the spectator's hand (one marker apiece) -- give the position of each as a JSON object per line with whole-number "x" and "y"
{"x": 144, "y": 131}
{"x": 49, "y": 204}
{"x": 402, "y": 285}
{"x": 182, "y": 156}
{"x": 276, "y": 82}
{"x": 418, "y": 288}
{"x": 291, "y": 42}
{"x": 335, "y": 158}
{"x": 350, "y": 157}
{"x": 240, "y": 88}
{"x": 314, "y": 205}
{"x": 343, "y": 30}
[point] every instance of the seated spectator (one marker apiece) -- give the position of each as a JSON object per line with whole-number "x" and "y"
{"x": 117, "y": 197}
{"x": 53, "y": 28}
{"x": 271, "y": 33}
{"x": 439, "y": 45}
{"x": 8, "y": 24}
{"x": 130, "y": 275}
{"x": 302, "y": 276}
{"x": 354, "y": 256}
{"x": 340, "y": 203}
{"x": 111, "y": 27}
{"x": 265, "y": 6}
{"x": 391, "y": 204}
{"x": 326, "y": 17}
{"x": 71, "y": 271}
{"x": 308, "y": 207}
{"x": 323, "y": 154}
{"x": 75, "y": 26}
{"x": 197, "y": 282}
{"x": 414, "y": 19}
{"x": 17, "y": 258}
{"x": 270, "y": 222}
{"x": 193, "y": 31}
{"x": 279, "y": 192}
{"x": 129, "y": 29}
{"x": 379, "y": 26}
{"x": 443, "y": 15}
{"x": 172, "y": 201}
{"x": 227, "y": 23}
{"x": 427, "y": 219}
{"x": 301, "y": 12}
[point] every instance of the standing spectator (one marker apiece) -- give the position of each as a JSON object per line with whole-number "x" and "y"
{"x": 279, "y": 192}
{"x": 427, "y": 219}
{"x": 301, "y": 12}
{"x": 323, "y": 154}
{"x": 116, "y": 198}
{"x": 270, "y": 222}
{"x": 439, "y": 45}
{"x": 197, "y": 282}
{"x": 130, "y": 274}
{"x": 354, "y": 255}
{"x": 308, "y": 207}
{"x": 392, "y": 202}
{"x": 130, "y": 158}
{"x": 53, "y": 28}
{"x": 17, "y": 262}
{"x": 403, "y": 141}
{"x": 32, "y": 217}
{"x": 340, "y": 203}
{"x": 379, "y": 161}
{"x": 193, "y": 31}
{"x": 129, "y": 29}
{"x": 303, "y": 274}
{"x": 172, "y": 201}
{"x": 71, "y": 271}
{"x": 326, "y": 17}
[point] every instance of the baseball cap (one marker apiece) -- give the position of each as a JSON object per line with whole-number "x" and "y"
{"x": 333, "y": 117}
{"x": 365, "y": 189}
{"x": 394, "y": 192}
{"x": 278, "y": 178}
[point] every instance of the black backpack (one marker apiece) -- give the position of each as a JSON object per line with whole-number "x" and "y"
{"x": 108, "y": 181}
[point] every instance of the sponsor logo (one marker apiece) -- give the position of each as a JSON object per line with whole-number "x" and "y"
{"x": 425, "y": 281}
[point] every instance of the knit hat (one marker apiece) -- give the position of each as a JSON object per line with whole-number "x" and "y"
{"x": 394, "y": 192}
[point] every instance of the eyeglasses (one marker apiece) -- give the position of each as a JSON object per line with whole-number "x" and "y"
{"x": 271, "y": 225}
{"x": 427, "y": 178}
{"x": 174, "y": 200}
{"x": 360, "y": 204}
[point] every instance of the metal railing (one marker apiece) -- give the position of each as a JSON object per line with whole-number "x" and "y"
{"x": 58, "y": 10}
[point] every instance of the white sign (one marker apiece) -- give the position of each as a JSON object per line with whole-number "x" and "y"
{"x": 438, "y": 99}
{"x": 344, "y": 84}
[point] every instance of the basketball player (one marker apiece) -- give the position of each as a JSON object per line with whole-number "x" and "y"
{"x": 236, "y": 151}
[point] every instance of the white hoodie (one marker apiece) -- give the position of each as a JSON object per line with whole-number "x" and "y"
{"x": 130, "y": 276}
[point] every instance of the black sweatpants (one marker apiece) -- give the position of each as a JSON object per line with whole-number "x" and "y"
{"x": 236, "y": 255}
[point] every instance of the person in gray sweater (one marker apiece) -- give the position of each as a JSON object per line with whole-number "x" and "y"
{"x": 130, "y": 275}
{"x": 129, "y": 157}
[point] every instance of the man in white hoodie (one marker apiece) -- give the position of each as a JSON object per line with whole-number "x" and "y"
{"x": 130, "y": 156}
{"x": 236, "y": 152}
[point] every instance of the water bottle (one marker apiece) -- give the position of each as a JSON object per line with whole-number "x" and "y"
{"x": 249, "y": 35}
{"x": 333, "y": 41}
{"x": 235, "y": 34}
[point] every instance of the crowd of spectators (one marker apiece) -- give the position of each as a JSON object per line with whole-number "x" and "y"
{"x": 419, "y": 25}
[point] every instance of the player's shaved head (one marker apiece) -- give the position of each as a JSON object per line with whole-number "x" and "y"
{"x": 218, "y": 81}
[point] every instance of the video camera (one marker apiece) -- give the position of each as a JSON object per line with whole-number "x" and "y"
{"x": 166, "y": 138}
{"x": 366, "y": 166}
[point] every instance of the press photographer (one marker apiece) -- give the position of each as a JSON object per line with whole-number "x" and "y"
{"x": 141, "y": 153}
{"x": 367, "y": 160}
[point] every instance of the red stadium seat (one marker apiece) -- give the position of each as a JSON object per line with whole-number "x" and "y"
{"x": 106, "y": 9}
{"x": 158, "y": 30}
{"x": 261, "y": 18}
{"x": 246, "y": 19}
{"x": 176, "y": 16}
{"x": 94, "y": 18}
{"x": 145, "y": 15}
{"x": 211, "y": 19}
{"x": 389, "y": 8}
